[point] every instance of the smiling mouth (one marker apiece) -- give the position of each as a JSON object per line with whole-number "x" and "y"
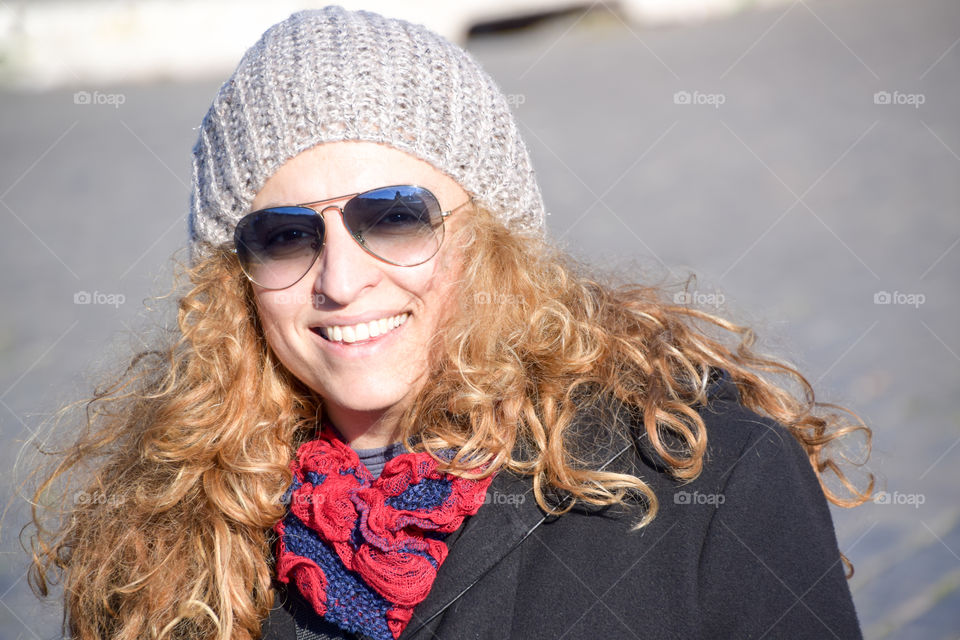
{"x": 363, "y": 331}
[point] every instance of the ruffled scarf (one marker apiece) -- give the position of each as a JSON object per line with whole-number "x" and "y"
{"x": 363, "y": 551}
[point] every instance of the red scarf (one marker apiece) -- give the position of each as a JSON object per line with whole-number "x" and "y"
{"x": 364, "y": 552}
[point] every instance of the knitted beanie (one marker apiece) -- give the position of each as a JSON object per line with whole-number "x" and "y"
{"x": 327, "y": 75}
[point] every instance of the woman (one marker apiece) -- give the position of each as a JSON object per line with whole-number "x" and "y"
{"x": 394, "y": 410}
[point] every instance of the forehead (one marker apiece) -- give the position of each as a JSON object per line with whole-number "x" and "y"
{"x": 340, "y": 168}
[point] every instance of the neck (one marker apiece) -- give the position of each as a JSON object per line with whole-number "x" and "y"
{"x": 365, "y": 429}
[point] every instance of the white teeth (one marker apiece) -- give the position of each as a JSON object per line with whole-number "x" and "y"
{"x": 364, "y": 330}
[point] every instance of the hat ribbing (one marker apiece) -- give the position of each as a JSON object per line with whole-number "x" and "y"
{"x": 330, "y": 75}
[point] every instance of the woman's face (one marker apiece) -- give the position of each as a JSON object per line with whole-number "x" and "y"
{"x": 347, "y": 286}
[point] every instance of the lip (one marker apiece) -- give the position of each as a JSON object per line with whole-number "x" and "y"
{"x": 364, "y": 349}
{"x": 342, "y": 321}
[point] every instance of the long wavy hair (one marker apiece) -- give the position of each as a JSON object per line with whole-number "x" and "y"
{"x": 156, "y": 519}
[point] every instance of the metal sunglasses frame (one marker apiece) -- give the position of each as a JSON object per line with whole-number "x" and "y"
{"x": 322, "y": 206}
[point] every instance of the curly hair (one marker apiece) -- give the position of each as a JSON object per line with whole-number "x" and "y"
{"x": 182, "y": 459}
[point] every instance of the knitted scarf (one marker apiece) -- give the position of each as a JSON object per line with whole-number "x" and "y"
{"x": 364, "y": 552}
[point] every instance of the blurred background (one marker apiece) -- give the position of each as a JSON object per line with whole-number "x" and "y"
{"x": 799, "y": 157}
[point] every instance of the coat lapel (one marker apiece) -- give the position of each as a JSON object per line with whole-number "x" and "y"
{"x": 511, "y": 512}
{"x": 509, "y": 515}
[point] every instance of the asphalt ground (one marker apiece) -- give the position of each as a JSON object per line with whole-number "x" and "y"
{"x": 802, "y": 161}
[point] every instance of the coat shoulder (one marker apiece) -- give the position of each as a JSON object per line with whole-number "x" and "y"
{"x": 732, "y": 430}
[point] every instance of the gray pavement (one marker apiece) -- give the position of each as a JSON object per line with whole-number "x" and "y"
{"x": 801, "y": 161}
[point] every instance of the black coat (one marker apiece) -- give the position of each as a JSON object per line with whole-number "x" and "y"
{"x": 747, "y": 550}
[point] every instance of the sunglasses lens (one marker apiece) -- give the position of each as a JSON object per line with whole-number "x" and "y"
{"x": 402, "y": 225}
{"x": 276, "y": 247}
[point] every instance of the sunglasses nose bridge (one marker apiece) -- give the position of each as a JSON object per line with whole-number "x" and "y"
{"x": 343, "y": 220}
{"x": 327, "y": 207}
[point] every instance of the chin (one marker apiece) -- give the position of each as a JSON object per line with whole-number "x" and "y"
{"x": 366, "y": 402}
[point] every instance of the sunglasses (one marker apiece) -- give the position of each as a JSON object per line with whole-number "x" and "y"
{"x": 401, "y": 225}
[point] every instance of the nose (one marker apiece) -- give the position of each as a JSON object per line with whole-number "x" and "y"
{"x": 343, "y": 270}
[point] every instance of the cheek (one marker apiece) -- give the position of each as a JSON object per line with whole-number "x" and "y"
{"x": 434, "y": 285}
{"x": 448, "y": 277}
{"x": 265, "y": 313}
{"x": 275, "y": 319}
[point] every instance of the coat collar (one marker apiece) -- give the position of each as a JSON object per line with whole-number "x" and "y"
{"x": 509, "y": 515}
{"x": 511, "y": 512}
{"x": 487, "y": 537}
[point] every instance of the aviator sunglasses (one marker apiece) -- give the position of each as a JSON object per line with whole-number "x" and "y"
{"x": 401, "y": 225}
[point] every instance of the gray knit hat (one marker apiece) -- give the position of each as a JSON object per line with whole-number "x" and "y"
{"x": 328, "y": 75}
